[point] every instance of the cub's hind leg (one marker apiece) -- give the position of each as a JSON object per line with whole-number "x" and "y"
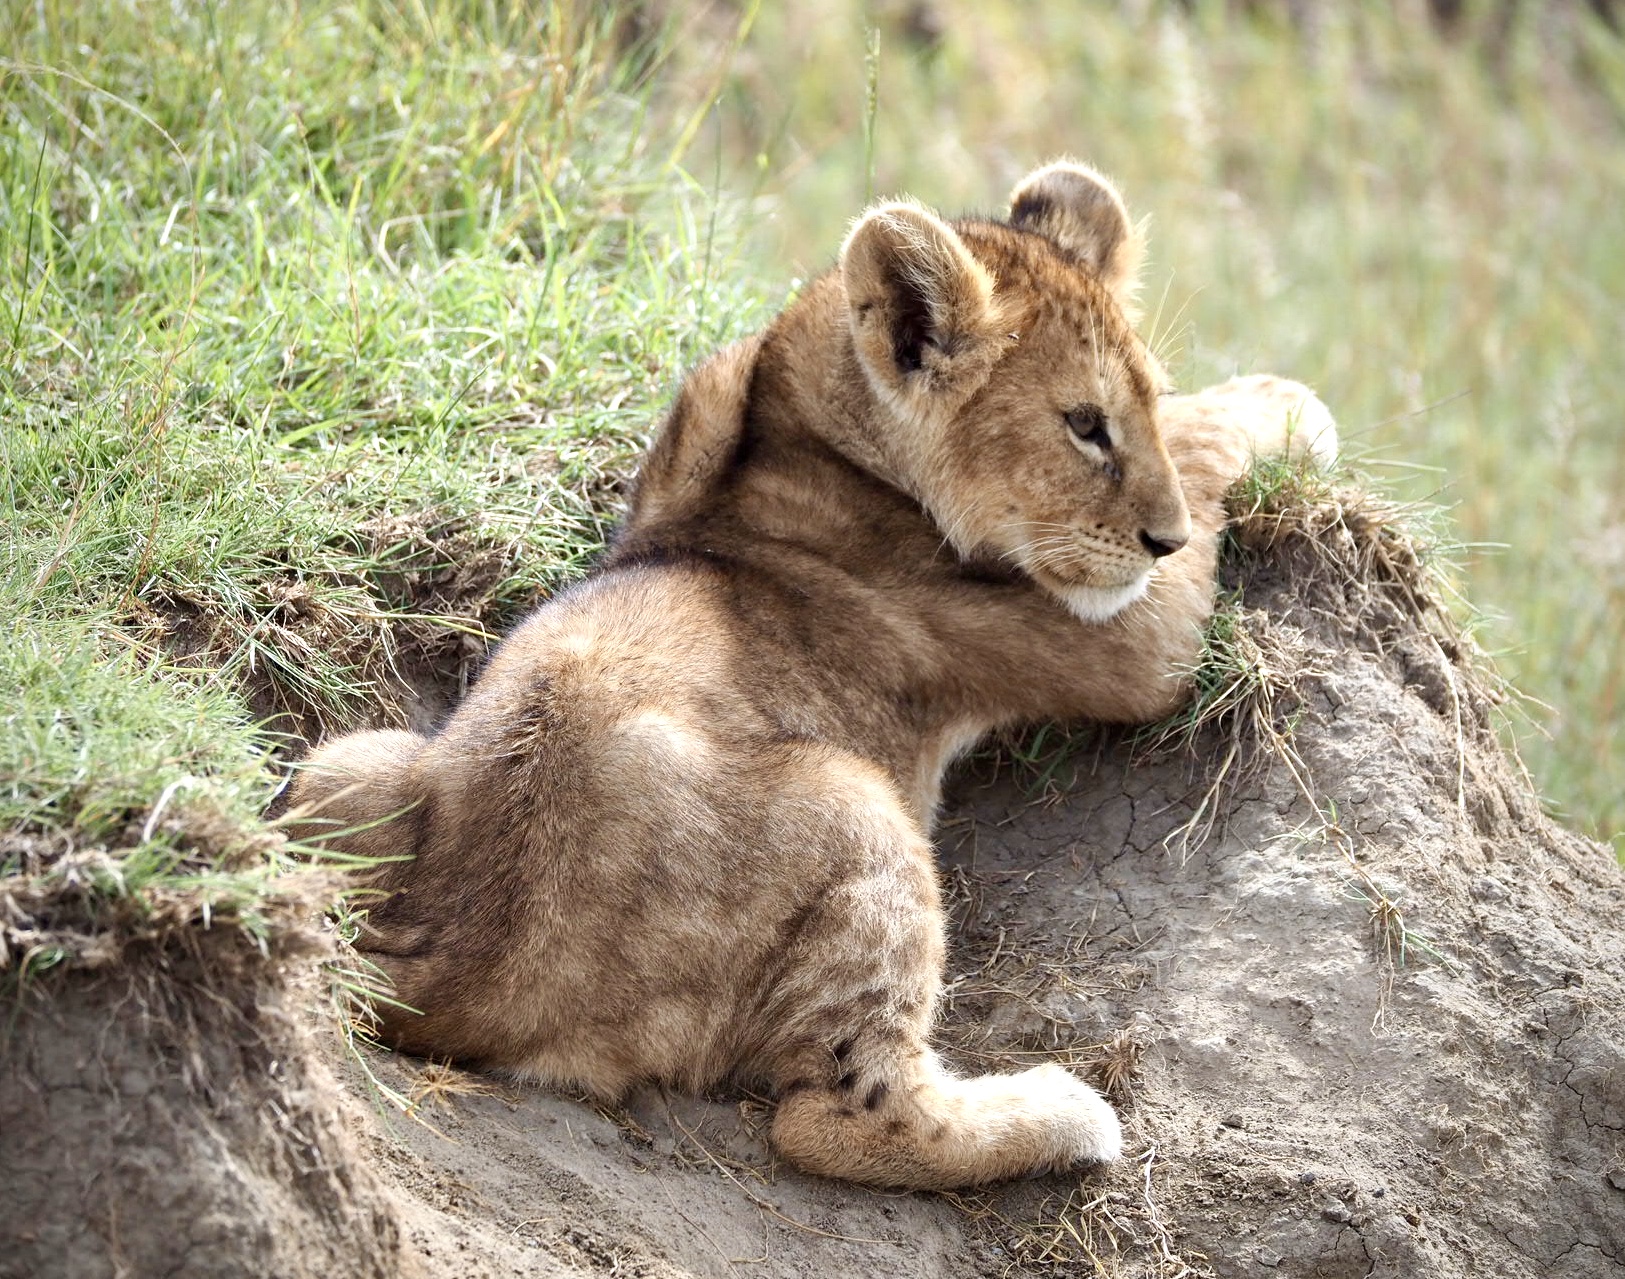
{"x": 904, "y": 1120}
{"x": 846, "y": 1024}
{"x": 345, "y": 793}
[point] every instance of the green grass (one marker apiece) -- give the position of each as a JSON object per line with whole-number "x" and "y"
{"x": 1420, "y": 228}
{"x": 127, "y": 798}
{"x": 328, "y": 333}
{"x": 326, "y": 336}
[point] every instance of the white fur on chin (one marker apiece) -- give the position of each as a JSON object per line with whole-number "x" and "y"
{"x": 1102, "y": 603}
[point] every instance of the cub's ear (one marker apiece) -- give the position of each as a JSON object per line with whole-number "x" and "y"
{"x": 1083, "y": 213}
{"x": 923, "y": 315}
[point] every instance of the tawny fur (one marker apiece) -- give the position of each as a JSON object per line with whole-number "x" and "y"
{"x": 678, "y": 830}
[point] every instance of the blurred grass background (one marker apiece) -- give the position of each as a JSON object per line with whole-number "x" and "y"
{"x": 328, "y": 331}
{"x": 1417, "y": 208}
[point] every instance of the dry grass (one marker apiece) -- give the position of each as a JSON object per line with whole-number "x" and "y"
{"x": 1365, "y": 566}
{"x": 439, "y": 1083}
{"x": 696, "y": 1152}
{"x": 1091, "y": 1228}
{"x": 1312, "y": 564}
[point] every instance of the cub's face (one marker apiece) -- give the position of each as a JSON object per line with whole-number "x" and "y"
{"x": 1023, "y": 405}
{"x": 1056, "y": 462}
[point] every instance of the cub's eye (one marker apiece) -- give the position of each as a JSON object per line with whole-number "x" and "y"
{"x": 1087, "y": 425}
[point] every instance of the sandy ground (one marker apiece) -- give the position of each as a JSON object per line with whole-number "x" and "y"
{"x": 1364, "y": 1017}
{"x": 1315, "y": 1083}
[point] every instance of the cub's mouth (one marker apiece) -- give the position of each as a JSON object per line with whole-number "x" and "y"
{"x": 1094, "y": 576}
{"x": 1096, "y": 604}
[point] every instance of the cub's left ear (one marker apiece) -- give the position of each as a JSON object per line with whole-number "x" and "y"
{"x": 1082, "y": 212}
{"x": 922, "y": 311}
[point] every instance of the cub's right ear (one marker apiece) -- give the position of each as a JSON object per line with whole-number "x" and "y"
{"x": 1079, "y": 209}
{"x": 924, "y": 319}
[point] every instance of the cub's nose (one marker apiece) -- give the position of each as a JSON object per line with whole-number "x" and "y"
{"x": 1160, "y": 546}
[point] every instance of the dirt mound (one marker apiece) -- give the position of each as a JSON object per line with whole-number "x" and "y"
{"x": 1380, "y": 1007}
{"x": 169, "y": 1115}
{"x": 1361, "y": 1004}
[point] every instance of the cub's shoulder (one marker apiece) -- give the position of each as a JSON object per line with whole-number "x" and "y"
{"x": 700, "y": 437}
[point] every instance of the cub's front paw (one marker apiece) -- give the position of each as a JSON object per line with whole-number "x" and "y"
{"x": 1287, "y": 419}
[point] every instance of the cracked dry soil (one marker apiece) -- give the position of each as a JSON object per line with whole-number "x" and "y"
{"x": 1368, "y": 1021}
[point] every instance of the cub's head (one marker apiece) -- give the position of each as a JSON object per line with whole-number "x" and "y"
{"x": 1015, "y": 397}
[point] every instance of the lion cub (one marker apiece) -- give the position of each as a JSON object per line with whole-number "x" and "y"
{"x": 678, "y": 830}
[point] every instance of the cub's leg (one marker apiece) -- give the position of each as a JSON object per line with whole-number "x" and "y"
{"x": 911, "y": 1124}
{"x": 1280, "y": 417}
{"x": 347, "y": 790}
{"x": 846, "y": 1023}
{"x": 1213, "y": 437}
